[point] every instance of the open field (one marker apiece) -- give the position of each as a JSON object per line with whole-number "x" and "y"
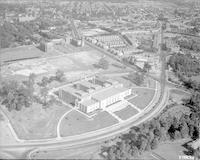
{"x": 151, "y": 83}
{"x": 86, "y": 152}
{"x": 76, "y": 64}
{"x": 76, "y": 123}
{"x": 35, "y": 122}
{"x": 77, "y": 61}
{"x": 179, "y": 92}
{"x": 172, "y": 150}
{"x": 144, "y": 97}
{"x": 126, "y": 113}
{"x": 177, "y": 95}
{"x": 6, "y": 136}
{"x": 125, "y": 81}
{"x": 196, "y": 78}
{"x": 20, "y": 53}
{"x": 148, "y": 82}
{"x": 68, "y": 48}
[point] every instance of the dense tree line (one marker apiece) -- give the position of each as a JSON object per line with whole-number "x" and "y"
{"x": 190, "y": 84}
{"x": 148, "y": 135}
{"x": 17, "y": 32}
{"x": 189, "y": 44}
{"x": 59, "y": 76}
{"x": 15, "y": 95}
{"x": 184, "y": 65}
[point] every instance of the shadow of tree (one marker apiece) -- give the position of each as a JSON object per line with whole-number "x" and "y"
{"x": 189, "y": 150}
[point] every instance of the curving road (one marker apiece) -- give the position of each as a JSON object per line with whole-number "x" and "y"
{"x": 151, "y": 111}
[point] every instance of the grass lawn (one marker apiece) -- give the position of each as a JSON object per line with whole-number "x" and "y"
{"x": 86, "y": 152}
{"x": 127, "y": 83}
{"x": 6, "y": 136}
{"x": 126, "y": 112}
{"x": 36, "y": 122}
{"x": 179, "y": 92}
{"x": 177, "y": 95}
{"x": 152, "y": 83}
{"x": 196, "y": 78}
{"x": 172, "y": 151}
{"x": 76, "y": 123}
{"x": 68, "y": 48}
{"x": 144, "y": 97}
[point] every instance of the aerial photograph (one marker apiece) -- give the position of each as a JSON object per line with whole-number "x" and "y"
{"x": 100, "y": 79}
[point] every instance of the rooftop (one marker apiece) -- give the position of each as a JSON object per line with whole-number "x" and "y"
{"x": 108, "y": 92}
{"x": 74, "y": 91}
{"x": 98, "y": 92}
{"x": 88, "y": 102}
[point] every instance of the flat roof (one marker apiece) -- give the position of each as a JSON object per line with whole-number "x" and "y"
{"x": 99, "y": 94}
{"x": 88, "y": 102}
{"x": 20, "y": 53}
{"x": 74, "y": 91}
{"x": 87, "y": 84}
{"x": 108, "y": 92}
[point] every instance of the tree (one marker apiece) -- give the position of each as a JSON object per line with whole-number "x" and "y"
{"x": 30, "y": 84}
{"x": 146, "y": 67}
{"x": 44, "y": 94}
{"x": 194, "y": 102}
{"x": 164, "y": 47}
{"x": 137, "y": 78}
{"x": 143, "y": 143}
{"x": 163, "y": 134}
{"x": 134, "y": 151}
{"x": 15, "y": 96}
{"x": 197, "y": 154}
{"x": 103, "y": 63}
{"x": 184, "y": 130}
{"x": 177, "y": 135}
{"x": 157, "y": 133}
{"x": 111, "y": 154}
{"x": 45, "y": 81}
{"x": 154, "y": 143}
{"x": 60, "y": 75}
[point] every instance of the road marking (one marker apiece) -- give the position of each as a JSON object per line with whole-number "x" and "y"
{"x": 157, "y": 156}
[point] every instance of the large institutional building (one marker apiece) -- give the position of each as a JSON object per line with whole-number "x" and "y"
{"x": 95, "y": 93}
